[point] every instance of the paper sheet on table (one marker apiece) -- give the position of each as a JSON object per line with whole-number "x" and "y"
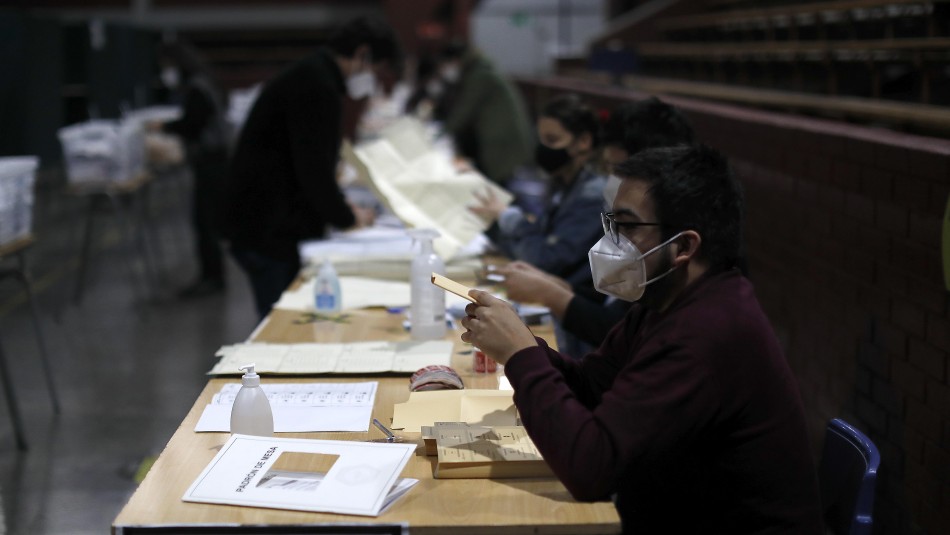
{"x": 358, "y": 292}
{"x": 300, "y": 408}
{"x": 384, "y": 253}
{"x": 367, "y": 243}
{"x": 421, "y": 185}
{"x": 476, "y": 407}
{"x": 356, "y": 357}
{"x": 346, "y": 477}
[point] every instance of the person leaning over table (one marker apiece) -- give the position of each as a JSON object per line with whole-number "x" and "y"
{"x": 688, "y": 415}
{"x": 581, "y": 311}
{"x": 283, "y": 187}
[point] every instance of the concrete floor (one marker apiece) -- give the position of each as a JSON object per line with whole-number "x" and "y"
{"x": 127, "y": 364}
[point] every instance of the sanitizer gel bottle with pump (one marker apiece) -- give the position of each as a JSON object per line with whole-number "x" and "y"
{"x": 427, "y": 310}
{"x": 326, "y": 289}
{"x": 251, "y": 413}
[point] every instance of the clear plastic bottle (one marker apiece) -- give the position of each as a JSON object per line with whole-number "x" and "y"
{"x": 326, "y": 289}
{"x": 427, "y": 310}
{"x": 251, "y": 413}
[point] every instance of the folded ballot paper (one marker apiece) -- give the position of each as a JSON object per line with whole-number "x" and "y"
{"x": 328, "y": 476}
{"x": 421, "y": 185}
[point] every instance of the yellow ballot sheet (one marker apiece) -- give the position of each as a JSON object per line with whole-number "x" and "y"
{"x": 421, "y": 184}
{"x": 476, "y": 407}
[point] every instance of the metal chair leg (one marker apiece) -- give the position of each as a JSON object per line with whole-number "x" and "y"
{"x": 126, "y": 227}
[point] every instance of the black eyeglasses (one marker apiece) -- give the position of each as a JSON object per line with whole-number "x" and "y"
{"x": 612, "y": 226}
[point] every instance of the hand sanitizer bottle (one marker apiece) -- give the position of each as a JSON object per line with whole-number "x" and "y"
{"x": 326, "y": 289}
{"x": 251, "y": 413}
{"x": 427, "y": 310}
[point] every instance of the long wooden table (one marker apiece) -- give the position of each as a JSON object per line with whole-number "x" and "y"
{"x": 462, "y": 506}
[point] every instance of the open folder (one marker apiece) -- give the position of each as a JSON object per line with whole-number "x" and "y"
{"x": 331, "y": 476}
{"x": 476, "y": 407}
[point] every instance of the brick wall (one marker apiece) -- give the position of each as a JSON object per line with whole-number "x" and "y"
{"x": 843, "y": 233}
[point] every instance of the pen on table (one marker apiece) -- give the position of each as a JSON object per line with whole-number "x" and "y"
{"x": 389, "y": 434}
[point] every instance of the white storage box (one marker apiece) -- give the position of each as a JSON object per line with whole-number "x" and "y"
{"x": 103, "y": 151}
{"x": 17, "y": 177}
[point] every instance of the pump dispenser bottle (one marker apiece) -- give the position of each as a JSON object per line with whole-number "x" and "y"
{"x": 427, "y": 310}
{"x": 251, "y": 413}
{"x": 326, "y": 289}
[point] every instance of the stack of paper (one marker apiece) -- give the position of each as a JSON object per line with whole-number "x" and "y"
{"x": 356, "y": 357}
{"x": 486, "y": 452}
{"x": 359, "y": 292}
{"x": 355, "y": 478}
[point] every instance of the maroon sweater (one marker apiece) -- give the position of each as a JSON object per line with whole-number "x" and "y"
{"x": 690, "y": 419}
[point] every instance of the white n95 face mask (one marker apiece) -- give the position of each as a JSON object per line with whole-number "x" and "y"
{"x": 170, "y": 77}
{"x": 451, "y": 73}
{"x": 361, "y": 85}
{"x": 619, "y": 269}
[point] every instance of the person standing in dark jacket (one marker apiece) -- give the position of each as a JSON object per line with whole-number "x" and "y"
{"x": 282, "y": 187}
{"x": 688, "y": 415}
{"x": 204, "y": 135}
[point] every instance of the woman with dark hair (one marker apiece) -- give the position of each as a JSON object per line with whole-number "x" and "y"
{"x": 203, "y": 132}
{"x": 557, "y": 242}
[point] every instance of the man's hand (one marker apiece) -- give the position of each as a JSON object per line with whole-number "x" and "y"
{"x": 494, "y": 327}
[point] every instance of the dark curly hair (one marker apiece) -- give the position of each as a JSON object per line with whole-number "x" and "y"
{"x": 575, "y": 115}
{"x": 646, "y": 124}
{"x": 366, "y": 31}
{"x": 693, "y": 188}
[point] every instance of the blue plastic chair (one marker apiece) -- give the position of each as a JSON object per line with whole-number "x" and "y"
{"x": 847, "y": 476}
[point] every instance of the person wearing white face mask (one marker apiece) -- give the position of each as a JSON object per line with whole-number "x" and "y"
{"x": 282, "y": 187}
{"x": 689, "y": 402}
{"x": 204, "y": 134}
{"x": 484, "y": 113}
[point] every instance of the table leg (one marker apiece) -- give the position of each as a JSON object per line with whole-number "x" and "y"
{"x": 84, "y": 251}
{"x": 38, "y": 329}
{"x": 12, "y": 403}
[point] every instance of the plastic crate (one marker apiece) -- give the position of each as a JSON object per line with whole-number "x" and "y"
{"x": 103, "y": 151}
{"x": 17, "y": 178}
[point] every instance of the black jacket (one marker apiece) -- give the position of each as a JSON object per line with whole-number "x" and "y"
{"x": 282, "y": 186}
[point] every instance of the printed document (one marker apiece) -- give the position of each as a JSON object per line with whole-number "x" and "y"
{"x": 355, "y": 357}
{"x": 300, "y": 408}
{"x": 330, "y": 476}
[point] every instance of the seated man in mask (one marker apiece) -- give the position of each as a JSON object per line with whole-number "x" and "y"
{"x": 689, "y": 402}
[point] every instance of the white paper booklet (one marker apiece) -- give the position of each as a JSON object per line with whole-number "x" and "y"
{"x": 300, "y": 408}
{"x": 329, "y": 476}
{"x": 355, "y": 357}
